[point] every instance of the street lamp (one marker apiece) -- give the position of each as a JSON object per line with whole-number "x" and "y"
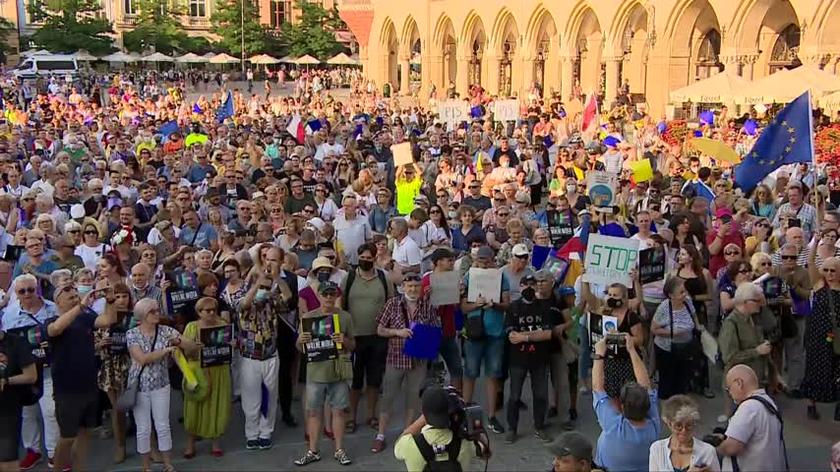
{"x": 242, "y": 35}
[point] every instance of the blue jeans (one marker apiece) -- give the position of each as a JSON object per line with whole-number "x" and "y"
{"x": 490, "y": 352}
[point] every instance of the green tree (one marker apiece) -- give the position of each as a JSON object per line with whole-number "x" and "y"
{"x": 226, "y": 22}
{"x": 313, "y": 34}
{"x": 70, "y": 25}
{"x": 158, "y": 27}
{"x": 7, "y": 29}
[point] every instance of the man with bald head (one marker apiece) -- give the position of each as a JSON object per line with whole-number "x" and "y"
{"x": 754, "y": 439}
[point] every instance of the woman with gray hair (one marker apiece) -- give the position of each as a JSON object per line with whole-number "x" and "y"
{"x": 150, "y": 346}
{"x": 681, "y": 450}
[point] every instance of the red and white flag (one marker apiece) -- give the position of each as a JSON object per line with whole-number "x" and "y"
{"x": 590, "y": 114}
{"x": 296, "y": 129}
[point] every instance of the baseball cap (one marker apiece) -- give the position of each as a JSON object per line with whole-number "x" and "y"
{"x": 485, "y": 252}
{"x": 543, "y": 274}
{"x": 520, "y": 250}
{"x": 723, "y": 212}
{"x": 257, "y": 195}
{"x": 441, "y": 253}
{"x": 571, "y": 443}
{"x": 435, "y": 407}
{"x": 327, "y": 287}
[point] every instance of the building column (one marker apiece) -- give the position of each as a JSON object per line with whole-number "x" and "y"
{"x": 552, "y": 72}
{"x": 431, "y": 74}
{"x": 613, "y": 79}
{"x": 405, "y": 76}
{"x": 490, "y": 73}
{"x": 527, "y": 65}
{"x": 567, "y": 77}
{"x": 462, "y": 81}
{"x": 363, "y": 58}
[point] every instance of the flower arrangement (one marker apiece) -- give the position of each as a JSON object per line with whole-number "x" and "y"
{"x": 827, "y": 144}
{"x": 675, "y": 132}
{"x": 120, "y": 237}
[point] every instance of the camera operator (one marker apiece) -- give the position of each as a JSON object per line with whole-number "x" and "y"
{"x": 17, "y": 367}
{"x": 435, "y": 433}
{"x": 627, "y": 430}
{"x": 529, "y": 328}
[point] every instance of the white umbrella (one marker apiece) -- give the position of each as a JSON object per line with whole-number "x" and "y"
{"x": 119, "y": 57}
{"x": 263, "y": 59}
{"x": 342, "y": 59}
{"x": 157, "y": 57}
{"x": 82, "y": 55}
{"x": 288, "y": 59}
{"x": 208, "y": 55}
{"x": 719, "y": 88}
{"x": 223, "y": 59}
{"x": 306, "y": 60}
{"x": 191, "y": 58}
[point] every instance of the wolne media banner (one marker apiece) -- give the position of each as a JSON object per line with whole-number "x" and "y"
{"x": 217, "y": 346}
{"x": 652, "y": 264}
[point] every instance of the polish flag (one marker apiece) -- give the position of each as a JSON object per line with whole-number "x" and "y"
{"x": 590, "y": 114}
{"x": 295, "y": 128}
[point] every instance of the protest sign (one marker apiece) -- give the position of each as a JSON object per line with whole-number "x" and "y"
{"x": 506, "y": 110}
{"x": 652, "y": 264}
{"x": 453, "y": 111}
{"x": 560, "y": 227}
{"x": 322, "y": 347}
{"x": 12, "y": 253}
{"x": 402, "y": 154}
{"x": 217, "y": 347}
{"x": 181, "y": 297}
{"x": 598, "y": 326}
{"x": 602, "y": 188}
{"x": 485, "y": 283}
{"x": 37, "y": 338}
{"x": 445, "y": 287}
{"x": 424, "y": 342}
{"x": 610, "y": 259}
{"x": 642, "y": 170}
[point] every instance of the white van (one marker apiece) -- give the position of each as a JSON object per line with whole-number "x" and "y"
{"x": 45, "y": 65}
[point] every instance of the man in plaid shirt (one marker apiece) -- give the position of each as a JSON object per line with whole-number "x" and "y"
{"x": 402, "y": 373}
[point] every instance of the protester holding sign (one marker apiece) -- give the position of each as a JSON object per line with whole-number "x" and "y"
{"x": 207, "y": 412}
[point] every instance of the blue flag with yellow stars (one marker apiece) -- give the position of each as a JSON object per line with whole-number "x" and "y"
{"x": 786, "y": 140}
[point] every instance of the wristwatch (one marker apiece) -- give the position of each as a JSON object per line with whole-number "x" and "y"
{"x": 598, "y": 357}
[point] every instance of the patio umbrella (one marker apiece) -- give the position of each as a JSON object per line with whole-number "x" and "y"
{"x": 784, "y": 86}
{"x": 830, "y": 101}
{"x": 82, "y": 55}
{"x": 157, "y": 57}
{"x": 208, "y": 55}
{"x": 342, "y": 59}
{"x": 224, "y": 59}
{"x": 288, "y": 59}
{"x": 263, "y": 59}
{"x": 719, "y": 88}
{"x": 306, "y": 60}
{"x": 191, "y": 58}
{"x": 119, "y": 57}
{"x": 715, "y": 149}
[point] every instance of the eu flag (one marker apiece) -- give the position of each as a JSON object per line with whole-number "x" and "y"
{"x": 226, "y": 110}
{"x": 786, "y": 140}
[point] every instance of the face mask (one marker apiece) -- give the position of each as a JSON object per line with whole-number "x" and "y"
{"x": 452, "y": 214}
{"x": 529, "y": 294}
{"x": 571, "y": 188}
{"x": 474, "y": 252}
{"x": 614, "y": 302}
{"x": 83, "y": 289}
{"x": 410, "y": 298}
{"x": 262, "y": 295}
{"x": 323, "y": 276}
{"x": 365, "y": 265}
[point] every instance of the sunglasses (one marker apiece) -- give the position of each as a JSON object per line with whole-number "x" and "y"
{"x": 789, "y": 258}
{"x": 411, "y": 278}
{"x": 732, "y": 253}
{"x": 745, "y": 271}
{"x": 25, "y": 290}
{"x": 829, "y": 271}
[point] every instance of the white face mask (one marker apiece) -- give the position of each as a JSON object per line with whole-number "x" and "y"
{"x": 571, "y": 188}
{"x": 410, "y": 298}
{"x": 474, "y": 251}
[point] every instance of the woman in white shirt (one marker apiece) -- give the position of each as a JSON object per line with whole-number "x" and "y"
{"x": 681, "y": 451}
{"x": 92, "y": 248}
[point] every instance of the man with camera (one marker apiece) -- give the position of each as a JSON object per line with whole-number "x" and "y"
{"x": 628, "y": 430}
{"x": 439, "y": 439}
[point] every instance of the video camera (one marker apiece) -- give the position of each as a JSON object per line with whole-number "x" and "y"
{"x": 466, "y": 420}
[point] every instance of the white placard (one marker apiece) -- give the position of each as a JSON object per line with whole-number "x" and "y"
{"x": 402, "y": 154}
{"x": 445, "y": 287}
{"x": 453, "y": 111}
{"x": 602, "y": 188}
{"x": 485, "y": 283}
{"x": 506, "y": 110}
{"x": 610, "y": 259}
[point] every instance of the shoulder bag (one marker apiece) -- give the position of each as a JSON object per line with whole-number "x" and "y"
{"x": 835, "y": 329}
{"x": 692, "y": 347}
{"x": 128, "y": 398}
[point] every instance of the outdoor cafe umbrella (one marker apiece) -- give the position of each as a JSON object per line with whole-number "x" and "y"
{"x": 288, "y": 59}
{"x": 306, "y": 60}
{"x": 191, "y": 58}
{"x": 82, "y": 55}
{"x": 342, "y": 59}
{"x": 787, "y": 84}
{"x": 224, "y": 59}
{"x": 715, "y": 149}
{"x": 157, "y": 57}
{"x": 119, "y": 57}
{"x": 719, "y": 88}
{"x": 263, "y": 59}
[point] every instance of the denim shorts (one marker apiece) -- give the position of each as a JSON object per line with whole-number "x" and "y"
{"x": 489, "y": 351}
{"x": 335, "y": 394}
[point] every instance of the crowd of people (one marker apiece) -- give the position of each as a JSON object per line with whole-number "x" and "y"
{"x": 240, "y": 260}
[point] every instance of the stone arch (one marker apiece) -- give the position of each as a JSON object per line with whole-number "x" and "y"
{"x": 541, "y": 37}
{"x": 826, "y": 38}
{"x": 694, "y": 39}
{"x": 409, "y": 37}
{"x": 757, "y": 29}
{"x": 505, "y": 47}
{"x": 411, "y": 48}
{"x": 391, "y": 50}
{"x": 585, "y": 44}
{"x": 474, "y": 47}
{"x": 629, "y": 35}
{"x": 446, "y": 44}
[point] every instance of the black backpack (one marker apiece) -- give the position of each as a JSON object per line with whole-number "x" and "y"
{"x": 453, "y": 449}
{"x": 351, "y": 277}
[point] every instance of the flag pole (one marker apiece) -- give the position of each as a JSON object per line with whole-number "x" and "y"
{"x": 811, "y": 133}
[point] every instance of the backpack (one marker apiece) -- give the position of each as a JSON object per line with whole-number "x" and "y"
{"x": 453, "y": 449}
{"x": 351, "y": 277}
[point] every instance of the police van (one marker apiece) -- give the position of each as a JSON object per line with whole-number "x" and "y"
{"x": 46, "y": 65}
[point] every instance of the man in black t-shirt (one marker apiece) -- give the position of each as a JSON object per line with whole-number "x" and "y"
{"x": 17, "y": 368}
{"x": 529, "y": 326}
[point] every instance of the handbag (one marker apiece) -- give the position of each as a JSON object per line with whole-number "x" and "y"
{"x": 835, "y": 330}
{"x": 128, "y": 398}
{"x": 474, "y": 327}
{"x": 690, "y": 348}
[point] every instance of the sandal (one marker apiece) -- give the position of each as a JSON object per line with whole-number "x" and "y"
{"x": 189, "y": 455}
{"x": 373, "y": 422}
{"x": 349, "y": 427}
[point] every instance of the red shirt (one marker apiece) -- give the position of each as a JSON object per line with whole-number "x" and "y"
{"x": 445, "y": 312}
{"x": 734, "y": 237}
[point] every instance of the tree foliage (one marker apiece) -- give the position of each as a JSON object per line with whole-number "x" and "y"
{"x": 314, "y": 32}
{"x": 7, "y": 28}
{"x": 70, "y": 25}
{"x": 226, "y": 22}
{"x": 158, "y": 27}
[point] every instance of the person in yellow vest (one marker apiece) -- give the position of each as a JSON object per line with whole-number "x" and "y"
{"x": 408, "y": 184}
